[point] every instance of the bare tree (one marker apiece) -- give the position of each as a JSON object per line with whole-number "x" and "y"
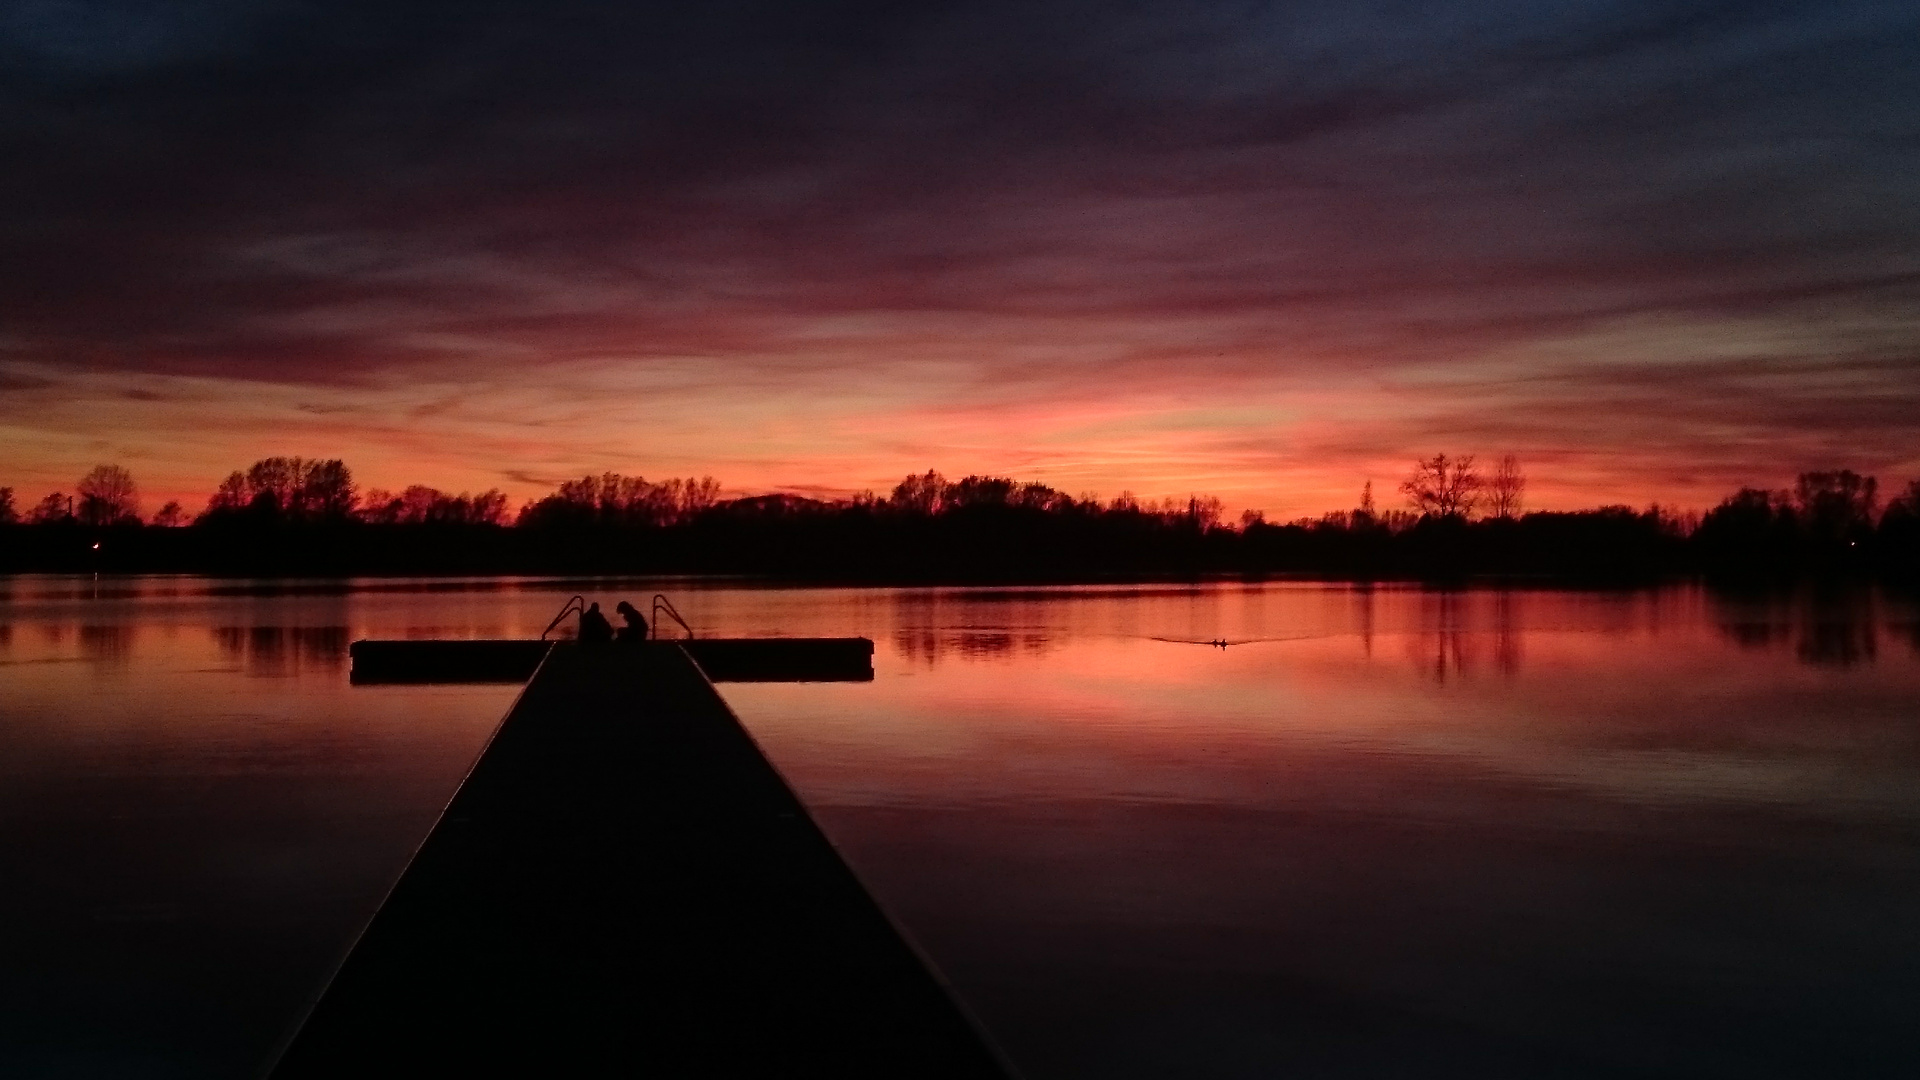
{"x": 8, "y": 515}
{"x": 232, "y": 494}
{"x": 1443, "y": 486}
{"x": 108, "y": 496}
{"x": 1837, "y": 506}
{"x": 1203, "y": 511}
{"x": 420, "y": 504}
{"x": 326, "y": 490}
{"x": 1907, "y": 503}
{"x": 170, "y": 516}
{"x": 487, "y": 508}
{"x": 380, "y": 507}
{"x": 698, "y": 496}
{"x": 925, "y": 494}
{"x": 277, "y": 480}
{"x": 1506, "y": 487}
{"x": 57, "y": 506}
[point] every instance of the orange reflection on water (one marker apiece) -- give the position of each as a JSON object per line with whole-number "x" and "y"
{"x": 1377, "y": 818}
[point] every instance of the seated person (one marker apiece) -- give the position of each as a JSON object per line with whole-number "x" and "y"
{"x": 636, "y": 626}
{"x": 594, "y": 626}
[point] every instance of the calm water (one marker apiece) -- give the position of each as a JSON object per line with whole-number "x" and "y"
{"x": 1386, "y": 832}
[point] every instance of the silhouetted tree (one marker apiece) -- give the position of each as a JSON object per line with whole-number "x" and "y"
{"x": 1907, "y": 503}
{"x": 380, "y": 507}
{"x": 1203, "y": 512}
{"x": 326, "y": 491}
{"x": 170, "y": 516}
{"x": 423, "y": 505}
{"x": 1899, "y": 535}
{"x": 57, "y": 506}
{"x": 487, "y": 508}
{"x": 8, "y": 515}
{"x": 419, "y": 503}
{"x": 925, "y": 494}
{"x": 1749, "y": 512}
{"x": 1443, "y": 487}
{"x": 288, "y": 489}
{"x": 1749, "y": 528}
{"x": 1506, "y": 486}
{"x": 291, "y": 515}
{"x": 977, "y": 492}
{"x": 274, "y": 483}
{"x": 699, "y": 496}
{"x": 108, "y": 496}
{"x": 615, "y": 501}
{"x": 1836, "y": 509}
{"x": 231, "y": 497}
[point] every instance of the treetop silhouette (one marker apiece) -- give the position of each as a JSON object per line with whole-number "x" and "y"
{"x": 289, "y": 514}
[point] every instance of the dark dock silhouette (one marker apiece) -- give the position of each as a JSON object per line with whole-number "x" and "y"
{"x": 624, "y": 885}
{"x": 509, "y": 660}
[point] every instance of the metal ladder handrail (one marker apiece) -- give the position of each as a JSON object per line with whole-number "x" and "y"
{"x": 661, "y": 603}
{"x": 577, "y": 603}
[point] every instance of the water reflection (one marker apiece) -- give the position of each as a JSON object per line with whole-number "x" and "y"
{"x": 1446, "y": 634}
{"x": 1390, "y": 831}
{"x": 1825, "y": 626}
{"x": 1462, "y": 632}
{"x": 1507, "y": 636}
{"x": 1441, "y": 654}
{"x": 1364, "y": 604}
{"x": 279, "y": 651}
{"x": 930, "y": 647}
{"x": 1533, "y": 833}
{"x": 1837, "y": 642}
{"x": 1441, "y": 644}
{"x": 109, "y": 643}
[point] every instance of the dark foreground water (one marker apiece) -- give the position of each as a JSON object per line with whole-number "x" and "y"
{"x": 1386, "y": 832}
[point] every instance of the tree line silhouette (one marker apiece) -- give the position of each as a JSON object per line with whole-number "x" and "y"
{"x": 288, "y": 515}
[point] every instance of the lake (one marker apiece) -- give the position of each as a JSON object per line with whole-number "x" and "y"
{"x": 1383, "y": 831}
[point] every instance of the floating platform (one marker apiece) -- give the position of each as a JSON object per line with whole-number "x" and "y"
{"x": 514, "y": 660}
{"x": 624, "y": 886}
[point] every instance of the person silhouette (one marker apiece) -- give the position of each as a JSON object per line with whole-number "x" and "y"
{"x": 636, "y": 626}
{"x": 594, "y": 626}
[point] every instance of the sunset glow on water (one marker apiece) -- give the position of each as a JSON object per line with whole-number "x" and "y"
{"x": 1565, "y": 833}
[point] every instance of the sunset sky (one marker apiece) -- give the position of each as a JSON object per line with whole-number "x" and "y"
{"x": 1268, "y": 251}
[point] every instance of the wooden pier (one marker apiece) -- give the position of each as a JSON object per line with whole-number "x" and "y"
{"x": 624, "y": 886}
{"x": 514, "y": 660}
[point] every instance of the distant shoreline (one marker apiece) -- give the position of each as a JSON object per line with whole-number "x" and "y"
{"x": 289, "y": 517}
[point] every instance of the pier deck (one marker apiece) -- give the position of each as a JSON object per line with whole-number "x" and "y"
{"x": 512, "y": 660}
{"x": 625, "y": 886}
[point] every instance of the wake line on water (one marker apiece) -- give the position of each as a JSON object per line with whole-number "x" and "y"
{"x": 1221, "y": 643}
